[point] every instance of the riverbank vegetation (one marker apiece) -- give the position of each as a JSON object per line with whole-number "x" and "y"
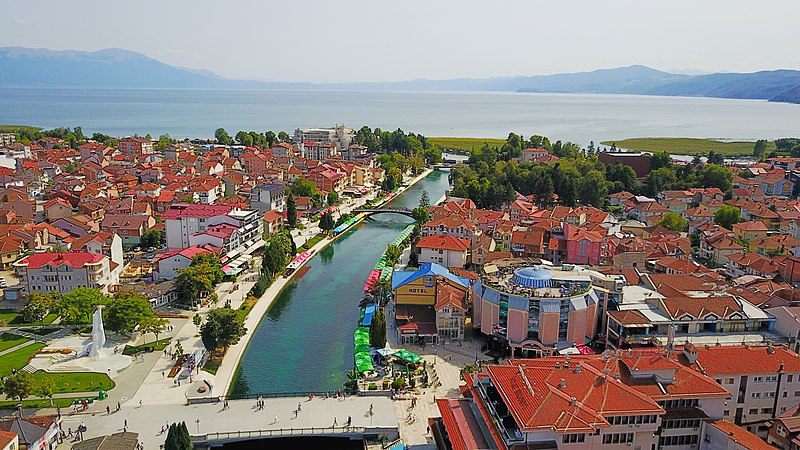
{"x": 492, "y": 176}
{"x": 688, "y": 146}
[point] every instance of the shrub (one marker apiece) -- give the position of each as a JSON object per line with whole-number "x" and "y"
{"x": 399, "y": 383}
{"x": 373, "y": 387}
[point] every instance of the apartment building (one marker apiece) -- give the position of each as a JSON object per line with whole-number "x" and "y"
{"x": 65, "y": 272}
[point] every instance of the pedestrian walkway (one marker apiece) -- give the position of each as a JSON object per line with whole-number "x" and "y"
{"x": 242, "y": 415}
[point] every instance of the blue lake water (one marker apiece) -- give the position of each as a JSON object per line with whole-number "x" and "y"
{"x": 576, "y": 117}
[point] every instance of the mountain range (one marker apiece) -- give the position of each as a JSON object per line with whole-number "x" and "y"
{"x": 117, "y": 68}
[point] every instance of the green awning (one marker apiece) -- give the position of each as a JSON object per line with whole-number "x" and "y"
{"x": 408, "y": 356}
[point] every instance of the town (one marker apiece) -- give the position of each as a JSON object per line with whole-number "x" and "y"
{"x": 552, "y": 296}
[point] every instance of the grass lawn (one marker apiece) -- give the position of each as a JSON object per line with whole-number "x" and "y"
{"x": 13, "y": 128}
{"x": 39, "y": 331}
{"x": 311, "y": 242}
{"x": 76, "y": 381}
{"x": 159, "y": 346}
{"x": 18, "y": 358}
{"x": 8, "y": 340}
{"x": 687, "y": 146}
{"x": 246, "y": 307}
{"x": 464, "y": 144}
{"x": 13, "y": 318}
{"x": 212, "y": 365}
{"x": 37, "y": 404}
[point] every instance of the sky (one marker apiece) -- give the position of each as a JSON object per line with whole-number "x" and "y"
{"x": 341, "y": 41}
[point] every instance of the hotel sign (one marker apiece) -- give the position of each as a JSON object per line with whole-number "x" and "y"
{"x": 415, "y": 295}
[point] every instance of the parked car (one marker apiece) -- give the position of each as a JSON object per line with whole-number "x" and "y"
{"x": 137, "y": 249}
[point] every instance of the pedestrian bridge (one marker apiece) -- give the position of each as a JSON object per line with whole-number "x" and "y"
{"x": 372, "y": 211}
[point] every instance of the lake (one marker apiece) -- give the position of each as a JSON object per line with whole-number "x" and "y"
{"x": 575, "y": 117}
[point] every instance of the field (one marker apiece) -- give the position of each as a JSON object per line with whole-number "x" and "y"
{"x": 18, "y": 358}
{"x": 13, "y": 128}
{"x": 8, "y": 340}
{"x": 464, "y": 144}
{"x": 10, "y": 317}
{"x": 687, "y": 146}
{"x": 69, "y": 382}
{"x": 157, "y": 346}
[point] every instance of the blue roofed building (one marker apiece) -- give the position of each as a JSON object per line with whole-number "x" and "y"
{"x": 430, "y": 304}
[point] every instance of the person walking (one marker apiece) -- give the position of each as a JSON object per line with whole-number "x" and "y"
{"x": 125, "y": 425}
{"x": 275, "y": 420}
{"x": 334, "y": 423}
{"x": 299, "y": 407}
{"x": 108, "y": 410}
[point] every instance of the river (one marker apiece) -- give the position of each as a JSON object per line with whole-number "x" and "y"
{"x": 305, "y": 341}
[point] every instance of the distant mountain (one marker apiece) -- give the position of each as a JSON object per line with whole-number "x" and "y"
{"x": 117, "y": 68}
{"x": 622, "y": 80}
{"x": 776, "y": 85}
{"x": 105, "y": 68}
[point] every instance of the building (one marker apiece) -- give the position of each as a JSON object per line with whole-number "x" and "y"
{"x": 7, "y": 138}
{"x": 785, "y": 430}
{"x": 320, "y": 150}
{"x": 39, "y": 433}
{"x": 643, "y": 317}
{"x": 65, "y": 272}
{"x": 136, "y": 146}
{"x": 430, "y": 303}
{"x": 9, "y": 440}
{"x": 130, "y": 227}
{"x": 182, "y": 220}
{"x": 339, "y": 135}
{"x": 268, "y": 196}
{"x": 609, "y": 401}
{"x": 639, "y": 162}
{"x": 724, "y": 435}
{"x": 125, "y": 440}
{"x": 102, "y": 243}
{"x": 57, "y": 208}
{"x": 524, "y": 305}
{"x": 273, "y": 222}
{"x": 158, "y": 294}
{"x": 763, "y": 381}
{"x": 444, "y": 250}
{"x": 171, "y": 262}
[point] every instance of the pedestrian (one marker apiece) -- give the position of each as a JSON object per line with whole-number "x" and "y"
{"x": 108, "y": 410}
{"x": 334, "y": 423}
{"x": 118, "y": 406}
{"x": 162, "y": 374}
{"x": 349, "y": 420}
{"x": 162, "y": 429}
{"x": 295, "y": 413}
{"x": 370, "y": 409}
{"x": 140, "y": 403}
{"x": 275, "y": 420}
{"x": 299, "y": 407}
{"x": 126, "y": 424}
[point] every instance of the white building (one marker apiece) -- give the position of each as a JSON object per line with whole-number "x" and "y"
{"x": 268, "y": 196}
{"x": 339, "y": 135}
{"x": 170, "y": 262}
{"x": 102, "y": 243}
{"x": 182, "y": 220}
{"x": 447, "y": 251}
{"x": 65, "y": 272}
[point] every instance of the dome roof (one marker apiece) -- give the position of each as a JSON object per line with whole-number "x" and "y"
{"x": 536, "y": 276}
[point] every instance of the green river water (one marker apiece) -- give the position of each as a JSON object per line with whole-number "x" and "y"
{"x": 305, "y": 341}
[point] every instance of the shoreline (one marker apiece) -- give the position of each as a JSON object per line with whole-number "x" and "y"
{"x": 226, "y": 373}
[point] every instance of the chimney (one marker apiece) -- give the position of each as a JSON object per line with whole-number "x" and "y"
{"x": 562, "y": 384}
{"x": 558, "y": 365}
{"x": 578, "y": 368}
{"x": 781, "y": 368}
{"x": 616, "y": 376}
{"x": 573, "y": 401}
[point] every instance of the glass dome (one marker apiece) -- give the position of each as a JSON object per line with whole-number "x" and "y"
{"x": 535, "y": 277}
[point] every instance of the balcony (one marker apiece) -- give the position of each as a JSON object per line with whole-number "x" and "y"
{"x": 501, "y": 416}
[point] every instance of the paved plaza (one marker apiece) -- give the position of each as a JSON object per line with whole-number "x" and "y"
{"x": 147, "y": 420}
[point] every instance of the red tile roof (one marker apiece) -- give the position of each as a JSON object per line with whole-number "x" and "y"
{"x": 76, "y": 260}
{"x": 741, "y": 360}
{"x": 462, "y": 427}
{"x": 444, "y": 242}
{"x": 178, "y": 210}
{"x": 740, "y": 436}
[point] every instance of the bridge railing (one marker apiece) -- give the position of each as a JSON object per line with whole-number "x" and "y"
{"x": 286, "y": 394}
{"x": 253, "y": 434}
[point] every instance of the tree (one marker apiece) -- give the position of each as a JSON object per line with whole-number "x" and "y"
{"x": 38, "y": 306}
{"x": 377, "y": 330}
{"x": 283, "y": 137}
{"x": 333, "y": 197}
{"x": 413, "y": 258}
{"x": 672, "y": 221}
{"x": 393, "y": 253}
{"x": 19, "y": 385}
{"x": 291, "y": 211}
{"x": 659, "y": 180}
{"x": 178, "y": 437}
{"x": 326, "y": 222}
{"x": 715, "y": 158}
{"x": 727, "y": 215}
{"x": 715, "y": 176}
{"x": 223, "y": 327}
{"x": 127, "y": 311}
{"x": 594, "y": 189}
{"x": 46, "y": 388}
{"x": 194, "y": 280}
{"x": 659, "y": 160}
{"x": 276, "y": 254}
{"x": 760, "y": 149}
{"x": 153, "y": 324}
{"x": 197, "y": 319}
{"x": 425, "y": 200}
{"x": 421, "y": 215}
{"x": 223, "y": 137}
{"x": 304, "y": 188}
{"x": 152, "y": 238}
{"x": 79, "y": 305}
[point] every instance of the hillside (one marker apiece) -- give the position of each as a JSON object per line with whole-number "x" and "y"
{"x": 768, "y": 85}
{"x": 622, "y": 80}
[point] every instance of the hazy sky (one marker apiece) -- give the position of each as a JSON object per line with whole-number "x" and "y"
{"x": 374, "y": 40}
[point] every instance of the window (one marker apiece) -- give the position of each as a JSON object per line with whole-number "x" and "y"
{"x": 617, "y": 438}
{"x": 771, "y": 378}
{"x": 755, "y": 395}
{"x": 727, "y": 412}
{"x": 758, "y": 379}
{"x": 573, "y": 438}
{"x": 752, "y": 411}
{"x": 789, "y": 378}
{"x": 766, "y": 410}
